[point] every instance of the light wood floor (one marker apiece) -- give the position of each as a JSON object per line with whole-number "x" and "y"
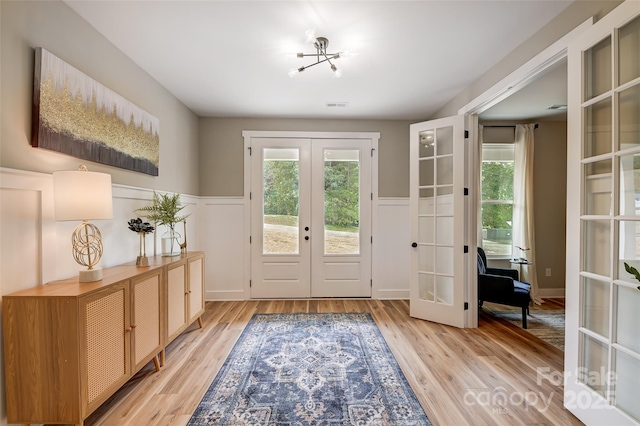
{"x": 444, "y": 366}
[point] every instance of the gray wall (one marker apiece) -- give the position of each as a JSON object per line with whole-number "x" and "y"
{"x": 578, "y": 12}
{"x": 222, "y": 156}
{"x": 549, "y": 197}
{"x": 55, "y": 27}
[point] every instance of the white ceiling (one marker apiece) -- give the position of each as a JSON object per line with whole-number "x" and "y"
{"x": 228, "y": 58}
{"x": 533, "y": 101}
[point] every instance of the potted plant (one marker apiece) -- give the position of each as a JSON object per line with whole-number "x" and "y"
{"x": 633, "y": 271}
{"x": 165, "y": 211}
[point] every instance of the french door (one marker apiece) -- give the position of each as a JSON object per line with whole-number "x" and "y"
{"x": 310, "y": 217}
{"x": 437, "y": 208}
{"x": 602, "y": 356}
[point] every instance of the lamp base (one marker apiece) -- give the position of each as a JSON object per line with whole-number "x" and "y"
{"x": 142, "y": 261}
{"x": 90, "y": 275}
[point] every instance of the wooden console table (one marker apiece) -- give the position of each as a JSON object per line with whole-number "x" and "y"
{"x": 69, "y": 346}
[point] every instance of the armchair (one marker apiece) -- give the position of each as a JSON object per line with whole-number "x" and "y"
{"x": 501, "y": 285}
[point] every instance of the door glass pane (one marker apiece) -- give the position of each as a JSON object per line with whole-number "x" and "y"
{"x": 629, "y": 186}
{"x": 426, "y": 172}
{"x": 597, "y": 134}
{"x": 627, "y": 383}
{"x": 427, "y": 144}
{"x": 629, "y": 54}
{"x": 426, "y": 202}
{"x": 445, "y": 171}
{"x": 596, "y": 306}
{"x": 426, "y": 259}
{"x": 628, "y": 247}
{"x": 426, "y": 287}
{"x": 444, "y": 136}
{"x": 280, "y": 200}
{"x": 445, "y": 200}
{"x": 425, "y": 229}
{"x": 628, "y": 318}
{"x": 593, "y": 363}
{"x": 597, "y": 69}
{"x": 342, "y": 201}
{"x": 629, "y": 110}
{"x": 444, "y": 230}
{"x": 444, "y": 290}
{"x": 598, "y": 188}
{"x": 597, "y": 246}
{"x": 444, "y": 260}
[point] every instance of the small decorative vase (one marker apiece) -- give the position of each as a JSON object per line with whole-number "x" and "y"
{"x": 142, "y": 259}
{"x": 169, "y": 243}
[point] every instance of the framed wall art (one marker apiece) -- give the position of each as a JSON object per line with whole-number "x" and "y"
{"x": 76, "y": 115}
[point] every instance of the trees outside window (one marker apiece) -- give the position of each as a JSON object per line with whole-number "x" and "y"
{"x": 497, "y": 198}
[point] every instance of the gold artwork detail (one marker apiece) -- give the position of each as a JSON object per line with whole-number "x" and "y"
{"x": 66, "y": 114}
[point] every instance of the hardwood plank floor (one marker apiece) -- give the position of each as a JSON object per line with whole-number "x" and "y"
{"x": 483, "y": 376}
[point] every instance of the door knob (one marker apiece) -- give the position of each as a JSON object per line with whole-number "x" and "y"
{"x": 306, "y": 228}
{"x": 306, "y": 238}
{"x": 414, "y": 245}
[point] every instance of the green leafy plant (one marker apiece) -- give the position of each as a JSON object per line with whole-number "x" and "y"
{"x": 164, "y": 210}
{"x": 633, "y": 271}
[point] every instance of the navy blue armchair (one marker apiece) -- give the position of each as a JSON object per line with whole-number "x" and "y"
{"x": 501, "y": 285}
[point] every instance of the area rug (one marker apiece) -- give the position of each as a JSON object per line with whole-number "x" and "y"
{"x": 310, "y": 369}
{"x": 548, "y": 325}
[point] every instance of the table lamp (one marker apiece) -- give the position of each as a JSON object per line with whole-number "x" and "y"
{"x": 83, "y": 195}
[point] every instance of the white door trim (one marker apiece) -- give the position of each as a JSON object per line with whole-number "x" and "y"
{"x": 247, "y": 135}
{"x": 492, "y": 96}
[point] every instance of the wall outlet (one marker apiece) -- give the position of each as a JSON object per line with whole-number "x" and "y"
{"x": 548, "y": 272}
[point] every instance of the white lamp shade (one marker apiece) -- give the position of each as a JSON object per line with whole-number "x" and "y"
{"x": 82, "y": 195}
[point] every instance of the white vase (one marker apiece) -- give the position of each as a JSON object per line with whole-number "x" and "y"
{"x": 169, "y": 243}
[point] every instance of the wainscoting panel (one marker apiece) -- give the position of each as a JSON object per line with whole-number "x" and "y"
{"x": 224, "y": 244}
{"x": 391, "y": 249}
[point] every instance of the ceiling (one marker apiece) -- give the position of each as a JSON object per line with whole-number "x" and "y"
{"x": 228, "y": 58}
{"x": 533, "y": 101}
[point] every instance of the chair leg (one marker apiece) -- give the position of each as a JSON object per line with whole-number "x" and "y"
{"x": 524, "y": 317}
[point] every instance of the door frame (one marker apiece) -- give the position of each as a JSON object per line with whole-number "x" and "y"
{"x": 248, "y": 135}
{"x": 504, "y": 88}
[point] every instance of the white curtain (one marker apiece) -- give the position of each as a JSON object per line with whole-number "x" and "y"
{"x": 523, "y": 228}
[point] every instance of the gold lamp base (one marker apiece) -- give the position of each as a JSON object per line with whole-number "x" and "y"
{"x": 90, "y": 275}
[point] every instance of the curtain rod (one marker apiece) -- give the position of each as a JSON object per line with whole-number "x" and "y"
{"x": 512, "y": 125}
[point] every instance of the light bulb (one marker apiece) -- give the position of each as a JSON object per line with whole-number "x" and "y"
{"x": 293, "y": 72}
{"x": 336, "y": 72}
{"x": 310, "y": 36}
{"x": 347, "y": 54}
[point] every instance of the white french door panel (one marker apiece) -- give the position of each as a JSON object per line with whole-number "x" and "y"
{"x": 280, "y": 254}
{"x": 602, "y": 353}
{"x": 437, "y": 210}
{"x": 341, "y": 259}
{"x": 310, "y": 217}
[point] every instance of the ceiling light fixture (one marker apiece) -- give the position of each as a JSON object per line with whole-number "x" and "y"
{"x": 321, "y": 55}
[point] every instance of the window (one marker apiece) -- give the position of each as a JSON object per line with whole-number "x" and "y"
{"x": 497, "y": 198}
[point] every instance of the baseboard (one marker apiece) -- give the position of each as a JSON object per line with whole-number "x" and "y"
{"x": 215, "y": 295}
{"x": 551, "y": 293}
{"x": 393, "y": 295}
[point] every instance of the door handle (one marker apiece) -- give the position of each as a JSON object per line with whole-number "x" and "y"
{"x": 306, "y": 238}
{"x": 306, "y": 228}
{"x": 414, "y": 245}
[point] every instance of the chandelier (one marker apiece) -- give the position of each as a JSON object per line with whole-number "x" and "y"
{"x": 321, "y": 56}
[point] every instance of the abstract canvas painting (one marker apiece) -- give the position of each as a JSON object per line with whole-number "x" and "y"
{"x": 76, "y": 115}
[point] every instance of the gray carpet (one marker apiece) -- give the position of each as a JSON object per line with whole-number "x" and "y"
{"x": 548, "y": 325}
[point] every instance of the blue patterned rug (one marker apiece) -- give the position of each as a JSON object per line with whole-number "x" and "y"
{"x": 310, "y": 369}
